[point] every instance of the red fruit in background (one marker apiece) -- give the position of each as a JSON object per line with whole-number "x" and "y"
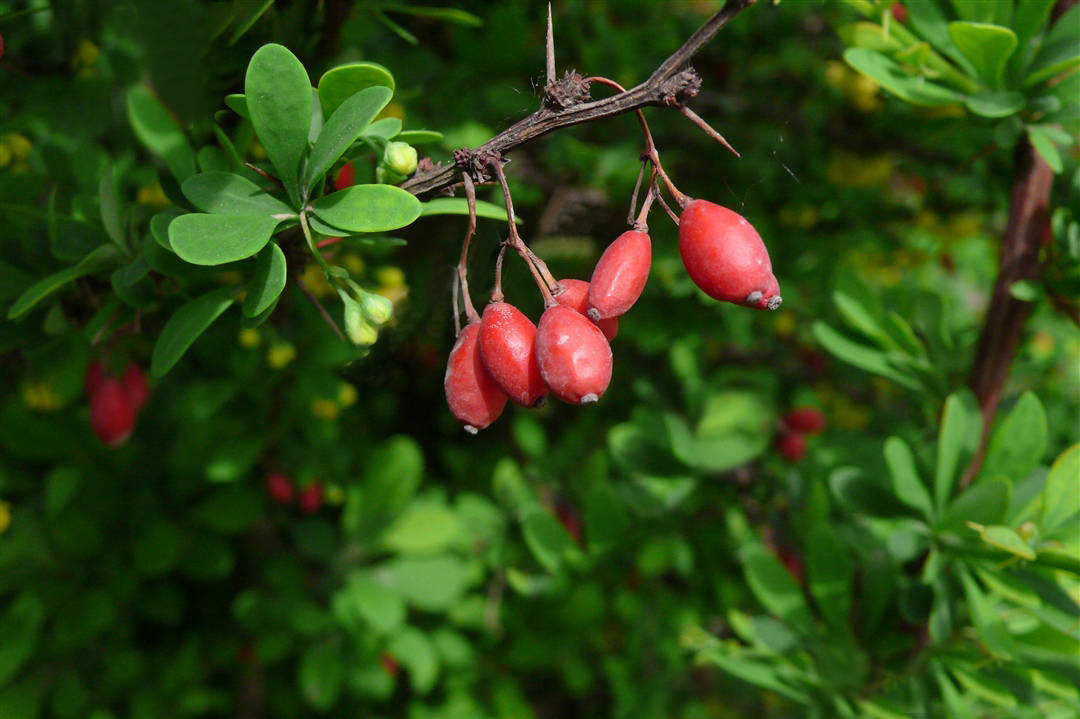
{"x": 804, "y": 419}
{"x": 389, "y": 664}
{"x": 899, "y": 12}
{"x": 280, "y": 488}
{"x": 112, "y": 413}
{"x": 575, "y": 295}
{"x": 725, "y": 256}
{"x": 311, "y": 498}
{"x": 473, "y": 397}
{"x": 793, "y": 563}
{"x": 1, "y": 45}
{"x": 570, "y": 520}
{"x": 135, "y": 383}
{"x": 620, "y": 275}
{"x": 95, "y": 375}
{"x": 573, "y": 354}
{"x": 508, "y": 351}
{"x": 346, "y": 176}
{"x": 791, "y": 446}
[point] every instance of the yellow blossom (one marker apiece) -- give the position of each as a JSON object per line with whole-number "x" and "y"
{"x": 5, "y": 516}
{"x": 152, "y": 195}
{"x": 346, "y": 396}
{"x": 41, "y": 397}
{"x": 324, "y": 408}
{"x": 280, "y": 355}
{"x": 314, "y": 279}
{"x": 249, "y": 337}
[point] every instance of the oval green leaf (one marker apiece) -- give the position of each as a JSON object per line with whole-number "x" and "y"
{"x": 342, "y": 129}
{"x": 995, "y": 104}
{"x": 906, "y": 482}
{"x": 279, "y": 100}
{"x": 99, "y": 259}
{"x": 184, "y": 327}
{"x": 1007, "y": 539}
{"x": 161, "y": 134}
{"x": 230, "y": 194}
{"x": 339, "y": 84}
{"x": 267, "y": 283}
{"x": 1061, "y": 494}
{"x": 890, "y": 75}
{"x": 384, "y": 129}
{"x": 988, "y": 47}
{"x": 217, "y": 239}
{"x": 459, "y": 206}
{"x": 419, "y": 137}
{"x": 368, "y": 208}
{"x": 237, "y": 102}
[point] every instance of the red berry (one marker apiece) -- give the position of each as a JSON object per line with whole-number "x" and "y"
{"x": 112, "y": 413}
{"x": 575, "y": 295}
{"x": 508, "y": 350}
{"x": 899, "y": 12}
{"x": 474, "y": 398}
{"x": 725, "y": 256}
{"x": 574, "y": 357}
{"x": 791, "y": 446}
{"x": 620, "y": 275}
{"x": 135, "y": 383}
{"x": 804, "y": 419}
{"x": 95, "y": 375}
{"x": 389, "y": 664}
{"x": 570, "y": 520}
{"x": 346, "y": 176}
{"x": 311, "y": 498}
{"x": 280, "y": 489}
{"x": 1, "y": 45}
{"x": 793, "y": 563}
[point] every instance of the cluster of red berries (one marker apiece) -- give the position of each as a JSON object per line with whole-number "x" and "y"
{"x": 795, "y": 425}
{"x": 505, "y": 356}
{"x": 282, "y": 491}
{"x": 115, "y": 401}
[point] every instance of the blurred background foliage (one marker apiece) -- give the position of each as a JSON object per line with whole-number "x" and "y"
{"x": 650, "y": 556}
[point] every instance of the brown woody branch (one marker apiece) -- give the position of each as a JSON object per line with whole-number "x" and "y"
{"x": 670, "y": 85}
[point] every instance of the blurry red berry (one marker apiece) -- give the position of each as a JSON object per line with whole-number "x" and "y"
{"x": 389, "y": 664}
{"x": 804, "y": 419}
{"x": 346, "y": 176}
{"x": 725, "y": 256}
{"x": 575, "y": 295}
{"x": 508, "y": 350}
{"x": 311, "y": 498}
{"x": 472, "y": 395}
{"x": 573, "y": 354}
{"x": 280, "y": 488}
{"x": 899, "y": 12}
{"x": 791, "y": 446}
{"x": 570, "y": 520}
{"x": 112, "y": 413}
{"x": 135, "y": 383}
{"x": 1, "y": 45}
{"x": 793, "y": 563}
{"x": 620, "y": 275}
{"x": 95, "y": 375}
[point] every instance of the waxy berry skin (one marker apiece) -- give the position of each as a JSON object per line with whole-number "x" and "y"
{"x": 725, "y": 256}
{"x": 804, "y": 419}
{"x": 473, "y": 397}
{"x": 620, "y": 275}
{"x": 508, "y": 351}
{"x": 346, "y": 176}
{"x": 112, "y": 413}
{"x": 575, "y": 295}
{"x": 574, "y": 356}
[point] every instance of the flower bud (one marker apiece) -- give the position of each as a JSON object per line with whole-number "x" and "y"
{"x": 357, "y": 328}
{"x": 400, "y": 157}
{"x": 377, "y": 309}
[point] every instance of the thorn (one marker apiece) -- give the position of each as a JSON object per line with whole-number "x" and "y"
{"x": 696, "y": 119}
{"x": 550, "y": 49}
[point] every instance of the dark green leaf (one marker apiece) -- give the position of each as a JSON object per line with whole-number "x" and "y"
{"x": 218, "y": 239}
{"x": 1019, "y": 442}
{"x": 860, "y": 355}
{"x": 448, "y": 14}
{"x": 342, "y": 129}
{"x": 983, "y": 502}
{"x": 545, "y": 537}
{"x": 248, "y": 14}
{"x": 906, "y": 482}
{"x": 988, "y": 47}
{"x": 237, "y": 102}
{"x": 184, "y": 327}
{"x": 1059, "y": 50}
{"x": 864, "y": 495}
{"x": 342, "y": 82}
{"x": 20, "y": 625}
{"x": 279, "y": 100}
{"x": 96, "y": 261}
{"x": 1028, "y": 21}
{"x": 830, "y": 570}
{"x": 368, "y": 208}
{"x": 161, "y": 134}
{"x": 267, "y": 282}
{"x": 157, "y": 549}
{"x": 774, "y": 587}
{"x": 110, "y": 208}
{"x": 321, "y": 672}
{"x": 230, "y": 194}
{"x": 961, "y": 428}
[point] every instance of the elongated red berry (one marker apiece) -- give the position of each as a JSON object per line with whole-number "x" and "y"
{"x": 508, "y": 350}
{"x": 620, "y": 275}
{"x": 280, "y": 488}
{"x": 135, "y": 383}
{"x": 575, "y": 295}
{"x": 573, "y": 354}
{"x": 473, "y": 397}
{"x": 95, "y": 375}
{"x": 804, "y": 419}
{"x": 725, "y": 256}
{"x": 346, "y": 176}
{"x": 112, "y": 413}
{"x": 310, "y": 498}
{"x": 791, "y": 446}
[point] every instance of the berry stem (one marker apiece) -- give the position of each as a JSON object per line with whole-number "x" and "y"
{"x": 641, "y": 224}
{"x": 544, "y": 279}
{"x": 667, "y": 208}
{"x": 470, "y": 197}
{"x": 633, "y": 197}
{"x": 455, "y": 291}
{"x": 497, "y": 294}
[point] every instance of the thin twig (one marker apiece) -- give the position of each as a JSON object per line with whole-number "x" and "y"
{"x": 322, "y": 310}
{"x": 544, "y": 280}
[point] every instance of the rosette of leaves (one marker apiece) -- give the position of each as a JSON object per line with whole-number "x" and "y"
{"x": 1001, "y": 59}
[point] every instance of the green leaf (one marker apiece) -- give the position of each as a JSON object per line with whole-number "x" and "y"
{"x": 460, "y": 206}
{"x": 161, "y": 134}
{"x": 1045, "y": 146}
{"x": 378, "y": 605}
{"x": 755, "y": 672}
{"x": 158, "y": 549}
{"x": 340, "y": 83}
{"x": 984, "y": 502}
{"x": 958, "y": 438}
{"x": 417, "y": 654}
{"x": 448, "y": 14}
{"x": 988, "y": 47}
{"x": 995, "y": 104}
{"x": 1006, "y": 539}
{"x": 320, "y": 675}
{"x": 860, "y": 355}
{"x": 184, "y": 327}
{"x": 237, "y": 102}
{"x": 110, "y": 208}
{"x": 940, "y": 622}
{"x": 991, "y": 629}
{"x": 392, "y": 474}
{"x": 279, "y": 100}
{"x": 1028, "y": 21}
{"x": 869, "y": 35}
{"x": 930, "y": 22}
{"x": 1061, "y": 493}
{"x": 985, "y": 688}
{"x": 424, "y": 527}
{"x": 906, "y": 482}
{"x": 383, "y": 130}
{"x": 342, "y": 129}
{"x": 1059, "y": 51}
{"x": 217, "y": 239}
{"x": 1018, "y": 443}
{"x": 368, "y": 208}
{"x": 234, "y": 459}
{"x": 248, "y": 14}
{"x": 268, "y": 281}
{"x": 546, "y": 538}
{"x": 774, "y": 587}
{"x": 864, "y": 495}
{"x": 829, "y": 570}
{"x": 20, "y": 625}
{"x": 890, "y": 75}
{"x": 230, "y": 194}
{"x": 432, "y": 584}
{"x": 419, "y": 137}
{"x": 96, "y": 261}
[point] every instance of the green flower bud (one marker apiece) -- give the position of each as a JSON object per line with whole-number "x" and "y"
{"x": 357, "y": 328}
{"x": 400, "y": 157}
{"x": 377, "y": 309}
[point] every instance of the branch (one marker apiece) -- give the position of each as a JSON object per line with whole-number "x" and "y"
{"x": 669, "y": 85}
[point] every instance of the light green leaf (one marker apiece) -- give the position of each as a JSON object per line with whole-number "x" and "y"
{"x": 930, "y": 22}
{"x": 984, "y": 502}
{"x": 755, "y": 672}
{"x": 995, "y": 103}
{"x": 546, "y": 538}
{"x": 869, "y": 35}
{"x": 267, "y": 282}
{"x": 1059, "y": 51}
{"x": 279, "y": 100}
{"x": 216, "y": 239}
{"x": 775, "y": 588}
{"x": 340, "y": 83}
{"x": 237, "y": 102}
{"x": 906, "y": 482}
{"x": 1028, "y": 21}
{"x": 432, "y": 584}
{"x": 424, "y": 527}
{"x": 1045, "y": 146}
{"x": 419, "y": 137}
{"x": 985, "y": 688}
{"x": 860, "y": 355}
{"x": 988, "y": 47}
{"x": 1006, "y": 539}
{"x": 368, "y": 208}
{"x": 958, "y": 438}
{"x": 890, "y": 75}
{"x": 230, "y": 194}
{"x": 320, "y": 675}
{"x": 417, "y": 654}
{"x": 385, "y": 129}
{"x": 1018, "y": 443}
{"x": 161, "y": 134}
{"x": 378, "y": 605}
{"x": 184, "y": 327}
{"x": 459, "y": 206}
{"x": 829, "y": 571}
{"x": 97, "y": 260}
{"x": 992, "y": 631}
{"x": 342, "y": 129}
{"x": 1061, "y": 493}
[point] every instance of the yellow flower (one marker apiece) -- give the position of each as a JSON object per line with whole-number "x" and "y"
{"x": 1042, "y": 345}
{"x": 280, "y": 355}
{"x": 346, "y": 396}
{"x": 391, "y": 283}
{"x": 257, "y": 151}
{"x": 5, "y": 516}
{"x": 86, "y": 55}
{"x": 353, "y": 263}
{"x": 314, "y": 279}
{"x": 17, "y": 144}
{"x": 152, "y": 195}
{"x": 41, "y": 397}
{"x": 324, "y": 408}
{"x": 249, "y": 337}
{"x": 334, "y": 495}
{"x": 5, "y": 155}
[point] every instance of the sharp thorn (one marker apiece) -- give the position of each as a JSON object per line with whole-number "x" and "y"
{"x": 550, "y": 48}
